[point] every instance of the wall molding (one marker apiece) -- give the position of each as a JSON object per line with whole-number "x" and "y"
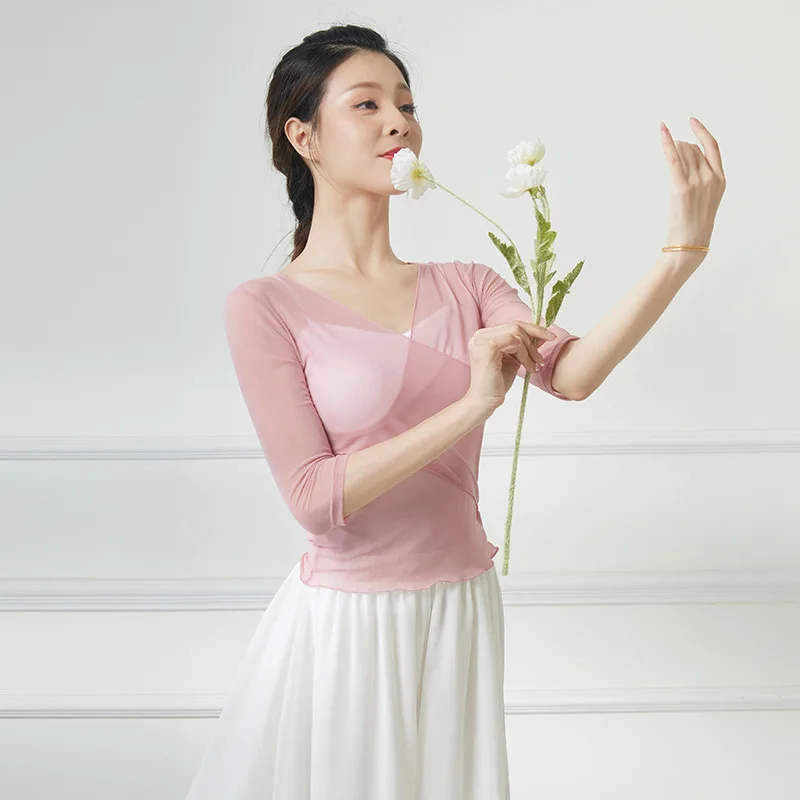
{"x": 572, "y": 443}
{"x": 645, "y": 700}
{"x": 719, "y": 587}
{"x": 527, "y": 589}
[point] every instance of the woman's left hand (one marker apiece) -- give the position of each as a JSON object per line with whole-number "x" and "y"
{"x": 698, "y": 183}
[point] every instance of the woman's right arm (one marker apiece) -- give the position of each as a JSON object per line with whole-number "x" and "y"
{"x": 313, "y": 481}
{"x": 376, "y": 469}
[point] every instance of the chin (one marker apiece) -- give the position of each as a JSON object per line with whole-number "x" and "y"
{"x": 385, "y": 187}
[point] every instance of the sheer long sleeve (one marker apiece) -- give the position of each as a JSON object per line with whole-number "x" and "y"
{"x": 500, "y": 302}
{"x": 309, "y": 476}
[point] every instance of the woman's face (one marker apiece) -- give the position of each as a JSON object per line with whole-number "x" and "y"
{"x": 357, "y": 124}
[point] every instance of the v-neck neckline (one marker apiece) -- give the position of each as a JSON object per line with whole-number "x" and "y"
{"x": 409, "y": 331}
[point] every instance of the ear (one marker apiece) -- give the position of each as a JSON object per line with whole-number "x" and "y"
{"x": 298, "y": 135}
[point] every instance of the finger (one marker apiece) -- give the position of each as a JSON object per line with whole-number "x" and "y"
{"x": 674, "y": 162}
{"x": 517, "y": 349}
{"x": 528, "y": 342}
{"x": 710, "y": 146}
{"x": 523, "y": 357}
{"x": 512, "y": 345}
{"x": 537, "y": 331}
{"x": 531, "y": 366}
{"x": 694, "y": 156}
{"x": 687, "y": 158}
{"x": 530, "y": 348}
{"x": 531, "y": 343}
{"x": 694, "y": 162}
{"x": 528, "y": 355}
{"x": 704, "y": 169}
{"x": 512, "y": 342}
{"x": 534, "y": 349}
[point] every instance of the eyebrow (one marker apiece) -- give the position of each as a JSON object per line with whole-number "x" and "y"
{"x": 400, "y": 85}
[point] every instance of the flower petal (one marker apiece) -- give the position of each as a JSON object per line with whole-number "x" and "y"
{"x": 408, "y": 172}
{"x": 528, "y": 152}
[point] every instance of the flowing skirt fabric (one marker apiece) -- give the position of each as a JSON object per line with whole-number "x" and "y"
{"x": 394, "y": 695}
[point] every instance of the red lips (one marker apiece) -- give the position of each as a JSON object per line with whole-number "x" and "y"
{"x": 391, "y": 152}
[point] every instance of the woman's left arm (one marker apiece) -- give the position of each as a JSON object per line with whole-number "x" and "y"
{"x": 588, "y": 361}
{"x": 698, "y": 183}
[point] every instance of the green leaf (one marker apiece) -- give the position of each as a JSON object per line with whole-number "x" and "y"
{"x": 544, "y": 238}
{"x": 514, "y": 262}
{"x": 544, "y": 225}
{"x": 570, "y": 279}
{"x": 560, "y": 291}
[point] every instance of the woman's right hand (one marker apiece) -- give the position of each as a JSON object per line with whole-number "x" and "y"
{"x": 495, "y": 355}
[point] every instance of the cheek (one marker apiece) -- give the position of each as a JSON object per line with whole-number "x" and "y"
{"x": 357, "y": 141}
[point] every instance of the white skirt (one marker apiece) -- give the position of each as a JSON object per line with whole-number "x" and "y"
{"x": 394, "y": 695}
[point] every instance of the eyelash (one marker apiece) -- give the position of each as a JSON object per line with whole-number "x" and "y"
{"x": 407, "y": 105}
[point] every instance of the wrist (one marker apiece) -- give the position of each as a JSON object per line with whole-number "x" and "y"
{"x": 682, "y": 260}
{"x": 475, "y": 410}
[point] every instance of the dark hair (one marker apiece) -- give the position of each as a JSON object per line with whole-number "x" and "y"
{"x": 297, "y": 86}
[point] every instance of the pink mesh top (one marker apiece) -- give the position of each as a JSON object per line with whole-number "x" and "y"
{"x": 321, "y": 381}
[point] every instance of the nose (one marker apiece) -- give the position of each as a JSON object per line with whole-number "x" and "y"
{"x": 399, "y": 123}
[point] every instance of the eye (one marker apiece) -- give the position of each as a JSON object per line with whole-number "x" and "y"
{"x": 411, "y": 106}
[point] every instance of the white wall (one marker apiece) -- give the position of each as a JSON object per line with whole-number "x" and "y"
{"x": 652, "y": 605}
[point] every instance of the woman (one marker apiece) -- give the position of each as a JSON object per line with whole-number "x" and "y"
{"x": 376, "y": 672}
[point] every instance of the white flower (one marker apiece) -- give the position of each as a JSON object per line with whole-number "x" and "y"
{"x": 408, "y": 172}
{"x": 529, "y": 152}
{"x": 522, "y": 178}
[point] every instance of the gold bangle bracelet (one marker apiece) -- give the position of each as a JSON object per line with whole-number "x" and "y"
{"x": 675, "y": 248}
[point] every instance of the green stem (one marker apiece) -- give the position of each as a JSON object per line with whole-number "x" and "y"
{"x": 537, "y": 314}
{"x": 513, "y": 486}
